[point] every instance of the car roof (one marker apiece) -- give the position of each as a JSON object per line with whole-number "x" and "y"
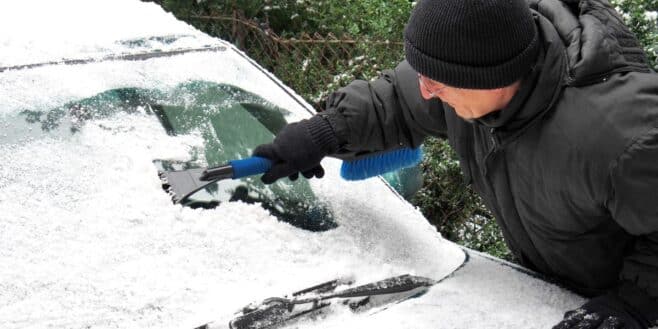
{"x": 91, "y": 238}
{"x": 89, "y": 29}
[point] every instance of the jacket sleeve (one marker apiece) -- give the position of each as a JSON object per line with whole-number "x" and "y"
{"x": 634, "y": 205}
{"x": 384, "y": 114}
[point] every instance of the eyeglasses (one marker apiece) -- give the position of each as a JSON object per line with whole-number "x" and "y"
{"x": 431, "y": 86}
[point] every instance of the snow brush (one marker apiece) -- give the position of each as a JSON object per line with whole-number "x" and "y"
{"x": 181, "y": 184}
{"x": 380, "y": 163}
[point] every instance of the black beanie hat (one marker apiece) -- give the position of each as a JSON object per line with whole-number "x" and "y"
{"x": 473, "y": 44}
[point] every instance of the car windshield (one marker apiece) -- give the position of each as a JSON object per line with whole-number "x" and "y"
{"x": 230, "y": 121}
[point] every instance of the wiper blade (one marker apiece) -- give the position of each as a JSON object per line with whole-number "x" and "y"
{"x": 314, "y": 301}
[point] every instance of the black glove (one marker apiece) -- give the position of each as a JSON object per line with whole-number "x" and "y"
{"x": 299, "y": 147}
{"x": 612, "y": 312}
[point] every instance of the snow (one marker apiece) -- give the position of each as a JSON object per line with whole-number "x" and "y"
{"x": 88, "y": 239}
{"x": 476, "y": 296}
{"x": 93, "y": 241}
{"x": 84, "y": 29}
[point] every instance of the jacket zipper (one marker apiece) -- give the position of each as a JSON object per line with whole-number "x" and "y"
{"x": 512, "y": 241}
{"x": 495, "y": 144}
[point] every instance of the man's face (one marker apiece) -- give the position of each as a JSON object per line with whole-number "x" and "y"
{"x": 469, "y": 104}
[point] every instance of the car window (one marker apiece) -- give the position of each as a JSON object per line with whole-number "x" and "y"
{"x": 230, "y": 121}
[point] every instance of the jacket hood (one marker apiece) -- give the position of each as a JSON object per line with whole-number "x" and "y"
{"x": 596, "y": 40}
{"x": 584, "y": 42}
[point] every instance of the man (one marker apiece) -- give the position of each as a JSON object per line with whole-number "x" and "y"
{"x": 553, "y": 112}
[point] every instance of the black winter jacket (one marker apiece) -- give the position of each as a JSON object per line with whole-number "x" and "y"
{"x": 569, "y": 169}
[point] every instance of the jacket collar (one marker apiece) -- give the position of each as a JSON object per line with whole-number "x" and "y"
{"x": 539, "y": 89}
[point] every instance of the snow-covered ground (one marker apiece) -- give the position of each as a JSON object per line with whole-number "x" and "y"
{"x": 89, "y": 240}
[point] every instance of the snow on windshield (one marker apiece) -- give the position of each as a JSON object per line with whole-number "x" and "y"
{"x": 93, "y": 240}
{"x": 89, "y": 239}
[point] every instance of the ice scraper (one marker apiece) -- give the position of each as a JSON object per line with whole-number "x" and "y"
{"x": 181, "y": 184}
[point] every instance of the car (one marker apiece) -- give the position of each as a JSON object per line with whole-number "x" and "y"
{"x": 104, "y": 95}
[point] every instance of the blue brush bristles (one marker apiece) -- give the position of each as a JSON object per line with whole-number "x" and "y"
{"x": 380, "y": 163}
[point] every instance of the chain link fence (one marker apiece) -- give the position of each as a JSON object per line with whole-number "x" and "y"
{"x": 312, "y": 64}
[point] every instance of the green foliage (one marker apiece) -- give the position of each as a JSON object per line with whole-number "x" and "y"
{"x": 375, "y": 18}
{"x": 288, "y": 18}
{"x": 324, "y": 67}
{"x": 640, "y": 16}
{"x": 367, "y": 65}
{"x": 452, "y": 206}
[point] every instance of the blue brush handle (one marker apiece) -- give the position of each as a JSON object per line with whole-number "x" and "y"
{"x": 250, "y": 166}
{"x": 351, "y": 170}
